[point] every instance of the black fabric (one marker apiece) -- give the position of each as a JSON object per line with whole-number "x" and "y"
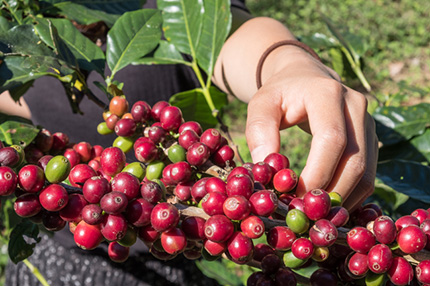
{"x": 58, "y": 258}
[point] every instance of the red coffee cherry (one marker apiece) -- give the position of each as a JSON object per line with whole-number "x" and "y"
{"x": 240, "y": 185}
{"x": 212, "y": 203}
{"x": 198, "y": 154}
{"x": 317, "y": 204}
{"x": 400, "y": 272}
{"x": 214, "y": 248}
{"x": 211, "y": 138}
{"x": 384, "y": 229}
{"x": 183, "y": 191}
{"x": 8, "y": 181}
{"x": 146, "y": 152}
{"x": 80, "y": 174}
{"x": 72, "y": 212}
{"x": 73, "y": 157}
{"x": 420, "y": 214}
{"x": 281, "y": 238}
{"x": 236, "y": 207}
{"x": 405, "y": 221}
{"x": 218, "y": 228}
{"x": 112, "y": 160}
{"x": 92, "y": 214}
{"x": 411, "y": 239}
{"x": 95, "y": 188}
{"x": 164, "y": 216}
{"x": 114, "y": 227}
{"x": 118, "y": 105}
{"x": 323, "y": 233}
{"x": 27, "y": 205}
{"x": 151, "y": 191}
{"x": 148, "y": 234}
{"x": 141, "y": 111}
{"x": 285, "y": 180}
{"x": 262, "y": 173}
{"x": 31, "y": 178}
{"x": 114, "y": 202}
{"x": 84, "y": 149}
{"x": 338, "y": 215}
{"x": 171, "y": 118}
{"x": 187, "y": 138}
{"x": 87, "y": 236}
{"x": 357, "y": 264}
{"x": 215, "y": 184}
{"x": 117, "y": 252}
{"x": 263, "y": 203}
{"x": 379, "y": 258}
{"x": 125, "y": 127}
{"x": 240, "y": 248}
{"x": 423, "y": 271}
{"x": 277, "y": 161}
{"x": 127, "y": 184}
{"x": 360, "y": 239}
{"x": 54, "y": 197}
{"x": 194, "y": 228}
{"x": 180, "y": 172}
{"x": 52, "y": 221}
{"x": 252, "y": 226}
{"x": 302, "y": 248}
{"x": 198, "y": 191}
{"x": 157, "y": 108}
{"x": 173, "y": 241}
{"x": 223, "y": 156}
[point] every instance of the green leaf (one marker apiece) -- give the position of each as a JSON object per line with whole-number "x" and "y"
{"x": 87, "y": 54}
{"x": 409, "y": 178}
{"x": 133, "y": 36}
{"x": 337, "y": 60}
{"x": 216, "y": 26}
{"x": 182, "y": 23}
{"x": 17, "y": 91}
{"x": 306, "y": 271}
{"x": 86, "y": 12}
{"x": 194, "y": 106}
{"x": 5, "y": 25}
{"x": 17, "y": 133}
{"x": 23, "y": 239}
{"x": 166, "y": 53}
{"x": 422, "y": 144}
{"x": 396, "y": 124}
{"x": 319, "y": 41}
{"x": 217, "y": 270}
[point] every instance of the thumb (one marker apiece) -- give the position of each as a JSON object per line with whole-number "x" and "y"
{"x": 262, "y": 127}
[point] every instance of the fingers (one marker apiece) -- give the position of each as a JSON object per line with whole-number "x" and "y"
{"x": 366, "y": 184}
{"x": 352, "y": 165}
{"x": 327, "y": 125}
{"x": 262, "y": 126}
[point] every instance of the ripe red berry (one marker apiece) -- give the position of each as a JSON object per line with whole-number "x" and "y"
{"x": 87, "y": 236}
{"x": 400, "y": 272}
{"x": 54, "y": 197}
{"x": 384, "y": 229}
{"x": 72, "y": 212}
{"x": 240, "y": 248}
{"x": 277, "y": 161}
{"x": 236, "y": 207}
{"x": 263, "y": 203}
{"x": 411, "y": 239}
{"x": 117, "y": 252}
{"x": 323, "y": 233}
{"x": 281, "y": 238}
{"x": 357, "y": 264}
{"x": 95, "y": 188}
{"x": 423, "y": 271}
{"x": 112, "y": 160}
{"x": 360, "y": 239}
{"x": 127, "y": 184}
{"x": 317, "y": 204}
{"x": 218, "y": 228}
{"x": 8, "y": 181}
{"x": 302, "y": 248}
{"x": 31, "y": 178}
{"x": 193, "y": 227}
{"x": 285, "y": 180}
{"x": 164, "y": 216}
{"x": 379, "y": 258}
{"x": 80, "y": 174}
{"x": 171, "y": 118}
{"x": 173, "y": 241}
{"x": 262, "y": 173}
{"x": 27, "y": 205}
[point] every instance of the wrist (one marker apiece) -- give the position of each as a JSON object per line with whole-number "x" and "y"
{"x": 284, "y": 55}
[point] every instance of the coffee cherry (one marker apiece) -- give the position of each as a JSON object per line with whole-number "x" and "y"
{"x": 285, "y": 180}
{"x": 211, "y": 138}
{"x": 240, "y": 185}
{"x": 302, "y": 248}
{"x": 198, "y": 191}
{"x": 114, "y": 202}
{"x": 164, "y": 216}
{"x": 214, "y": 248}
{"x": 316, "y": 204}
{"x": 148, "y": 234}
{"x": 241, "y": 170}
{"x": 405, "y": 221}
{"x": 72, "y": 212}
{"x": 223, "y": 156}
{"x": 8, "y": 181}
{"x": 114, "y": 227}
{"x": 423, "y": 271}
{"x": 360, "y": 239}
{"x": 173, "y": 241}
{"x": 379, "y": 258}
{"x": 277, "y": 161}
{"x": 183, "y": 191}
{"x": 187, "y": 138}
{"x": 176, "y": 153}
{"x": 73, "y": 157}
{"x": 338, "y": 215}
{"x": 198, "y": 154}
{"x": 180, "y": 172}
{"x": 323, "y": 277}
{"x": 218, "y": 228}
{"x": 236, "y": 207}
{"x": 52, "y": 221}
{"x": 281, "y": 238}
{"x": 96, "y": 151}
{"x": 297, "y": 203}
{"x": 252, "y": 226}
{"x": 263, "y": 203}
{"x": 138, "y": 212}
{"x": 400, "y": 272}
{"x": 270, "y": 264}
{"x": 323, "y": 233}
{"x": 285, "y": 277}
{"x": 240, "y": 248}
{"x": 54, "y": 197}
{"x": 297, "y": 221}
{"x": 112, "y": 160}
{"x": 411, "y": 239}
{"x": 125, "y": 127}
{"x": 57, "y": 169}
{"x": 87, "y": 236}
{"x": 80, "y": 174}
{"x": 212, "y": 203}
{"x": 9, "y": 157}
{"x": 154, "y": 170}
{"x": 384, "y": 229}
{"x": 157, "y": 108}
{"x": 171, "y": 118}
{"x": 151, "y": 191}
{"x": 92, "y": 214}
{"x": 215, "y": 184}
{"x": 141, "y": 111}
{"x": 364, "y": 216}
{"x": 357, "y": 264}
{"x": 193, "y": 227}
{"x": 60, "y": 141}
{"x": 420, "y": 214}
{"x": 127, "y": 184}
{"x": 262, "y": 173}
{"x": 117, "y": 252}
{"x": 118, "y": 105}
{"x": 95, "y": 188}
{"x": 84, "y": 150}
{"x": 291, "y": 261}
{"x": 27, "y": 205}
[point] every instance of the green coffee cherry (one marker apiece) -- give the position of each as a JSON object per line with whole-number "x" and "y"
{"x": 154, "y": 170}
{"x": 57, "y": 169}
{"x": 130, "y": 237}
{"x": 176, "y": 153}
{"x": 297, "y": 221}
{"x": 137, "y": 169}
{"x": 123, "y": 143}
{"x": 291, "y": 261}
{"x": 103, "y": 129}
{"x": 335, "y": 199}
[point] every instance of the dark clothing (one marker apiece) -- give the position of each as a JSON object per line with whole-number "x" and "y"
{"x": 58, "y": 258}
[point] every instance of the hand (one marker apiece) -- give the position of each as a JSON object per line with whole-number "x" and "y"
{"x": 306, "y": 93}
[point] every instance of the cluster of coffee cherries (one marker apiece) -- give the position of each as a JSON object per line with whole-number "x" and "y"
{"x": 184, "y": 195}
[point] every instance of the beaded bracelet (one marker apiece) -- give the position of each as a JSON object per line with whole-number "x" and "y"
{"x": 277, "y": 45}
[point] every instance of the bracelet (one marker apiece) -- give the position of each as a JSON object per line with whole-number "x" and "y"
{"x": 277, "y": 45}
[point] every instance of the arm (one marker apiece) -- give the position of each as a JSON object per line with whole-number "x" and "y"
{"x": 10, "y": 107}
{"x": 299, "y": 90}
